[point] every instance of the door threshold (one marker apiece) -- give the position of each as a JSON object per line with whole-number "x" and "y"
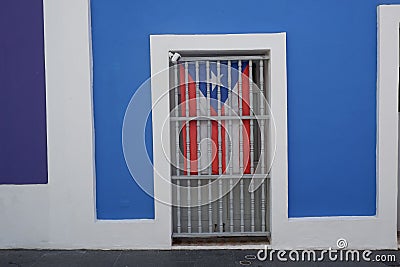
{"x": 222, "y": 247}
{"x": 221, "y": 243}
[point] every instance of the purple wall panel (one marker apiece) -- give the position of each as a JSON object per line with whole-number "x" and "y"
{"x": 23, "y": 149}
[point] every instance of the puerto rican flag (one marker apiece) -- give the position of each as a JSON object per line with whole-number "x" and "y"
{"x": 229, "y": 102}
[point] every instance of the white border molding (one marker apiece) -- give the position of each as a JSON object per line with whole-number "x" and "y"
{"x": 71, "y": 195}
{"x": 387, "y": 112}
{"x": 61, "y": 214}
{"x": 369, "y": 232}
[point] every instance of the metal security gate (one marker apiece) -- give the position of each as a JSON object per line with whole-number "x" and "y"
{"x": 220, "y": 154}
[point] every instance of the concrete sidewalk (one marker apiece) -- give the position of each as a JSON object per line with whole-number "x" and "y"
{"x": 98, "y": 258}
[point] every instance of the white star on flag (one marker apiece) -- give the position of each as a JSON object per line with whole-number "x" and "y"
{"x": 214, "y": 80}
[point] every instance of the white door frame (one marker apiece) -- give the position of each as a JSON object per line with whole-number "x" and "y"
{"x": 275, "y": 43}
{"x": 388, "y": 93}
{"x": 387, "y": 112}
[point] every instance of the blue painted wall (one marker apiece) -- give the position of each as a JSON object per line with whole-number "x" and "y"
{"x": 331, "y": 53}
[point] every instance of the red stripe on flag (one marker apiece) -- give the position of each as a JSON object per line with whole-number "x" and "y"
{"x": 192, "y": 124}
{"x": 214, "y": 139}
{"x": 246, "y": 123}
{"x": 215, "y": 146}
{"x": 223, "y": 135}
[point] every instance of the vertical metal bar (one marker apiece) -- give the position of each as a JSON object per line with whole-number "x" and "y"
{"x": 241, "y": 205}
{"x": 241, "y": 147}
{"x": 262, "y": 150}
{"x": 210, "y": 223}
{"x": 230, "y": 93}
{"x": 219, "y": 114}
{"x": 177, "y": 122}
{"x": 251, "y": 120}
{"x": 252, "y": 206}
{"x": 199, "y": 204}
{"x": 251, "y": 144}
{"x": 178, "y": 200}
{"x": 241, "y": 122}
{"x": 219, "y": 145}
{"x": 221, "y": 226}
{"x": 197, "y": 78}
{"x": 198, "y": 115}
{"x": 231, "y": 204}
{"x": 209, "y": 120}
{"x": 263, "y": 206}
{"x": 187, "y": 120}
{"x": 189, "y": 225}
{"x": 178, "y": 192}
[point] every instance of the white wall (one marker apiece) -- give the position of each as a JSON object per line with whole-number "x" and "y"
{"x": 363, "y": 232}
{"x": 62, "y": 213}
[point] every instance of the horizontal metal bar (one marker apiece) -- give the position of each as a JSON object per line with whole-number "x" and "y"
{"x": 204, "y": 118}
{"x": 222, "y": 176}
{"x": 223, "y": 58}
{"x": 223, "y": 234}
